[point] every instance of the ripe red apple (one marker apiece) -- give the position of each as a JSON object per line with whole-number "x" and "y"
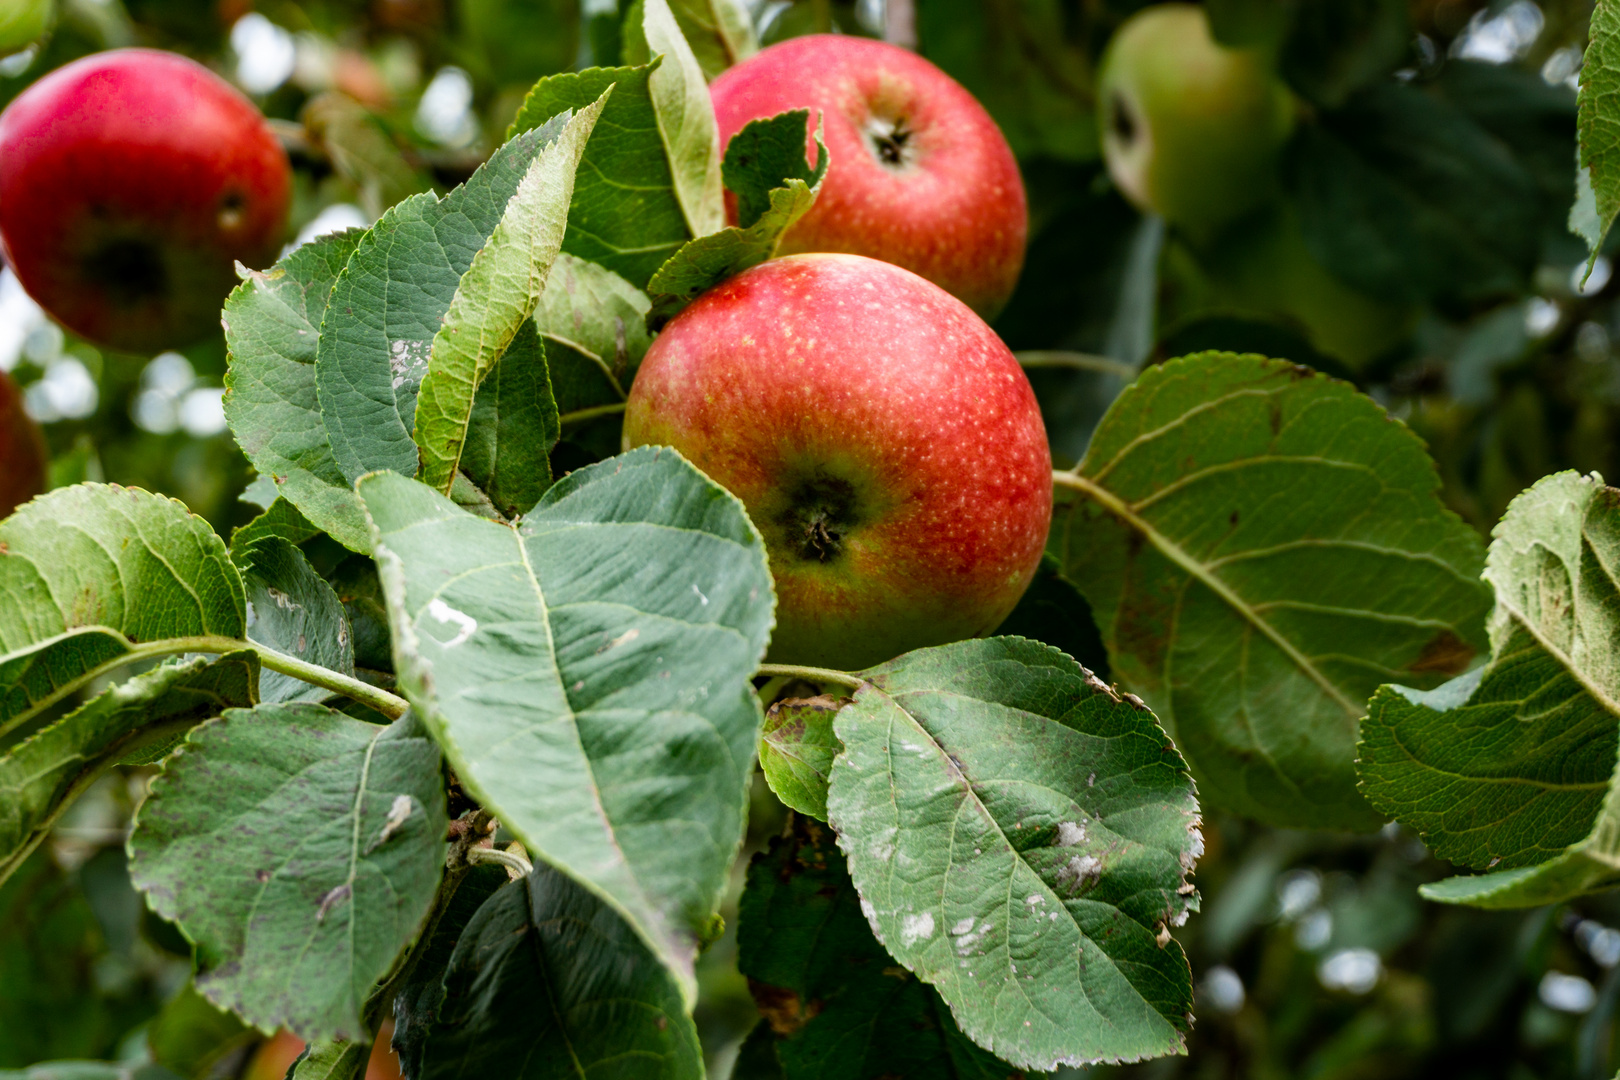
{"x": 131, "y": 182}
{"x": 884, "y": 440}
{"x": 920, "y": 176}
{"x": 22, "y": 450}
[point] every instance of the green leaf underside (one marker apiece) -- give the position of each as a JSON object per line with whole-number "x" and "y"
{"x": 421, "y": 992}
{"x": 1598, "y": 122}
{"x": 1263, "y": 547}
{"x": 686, "y": 124}
{"x": 389, "y": 302}
{"x": 299, "y": 850}
{"x": 595, "y": 326}
{"x": 720, "y": 33}
{"x": 513, "y": 426}
{"x": 495, "y": 298}
{"x": 1512, "y": 767}
{"x": 548, "y": 981}
{"x": 272, "y": 328}
{"x": 89, "y": 572}
{"x": 1021, "y": 837}
{"x": 293, "y": 610}
{"x": 838, "y": 1004}
{"x": 588, "y": 673}
{"x": 624, "y": 214}
{"x": 796, "y": 751}
{"x": 708, "y": 260}
{"x": 765, "y": 154}
{"x": 41, "y": 776}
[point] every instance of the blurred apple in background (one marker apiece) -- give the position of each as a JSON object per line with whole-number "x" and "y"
{"x": 920, "y": 175}
{"x": 131, "y": 183}
{"x": 1191, "y": 130}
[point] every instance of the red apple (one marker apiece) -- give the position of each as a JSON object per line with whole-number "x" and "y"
{"x": 131, "y": 182}
{"x": 22, "y": 450}
{"x": 885, "y": 442}
{"x": 920, "y": 176}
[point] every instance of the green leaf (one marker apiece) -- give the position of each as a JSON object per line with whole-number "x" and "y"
{"x": 796, "y": 751}
{"x": 389, "y": 303}
{"x": 1021, "y": 836}
{"x": 707, "y": 261}
{"x": 94, "y": 576}
{"x": 1405, "y": 197}
{"x": 765, "y": 154}
{"x": 495, "y": 298}
{"x": 1511, "y": 767}
{"x": 588, "y": 673}
{"x": 299, "y": 851}
{"x": 686, "y": 123}
{"x": 49, "y": 943}
{"x": 512, "y": 428}
{"x": 720, "y": 32}
{"x": 337, "y": 1059}
{"x": 1262, "y": 548}
{"x": 547, "y": 973}
{"x": 89, "y": 1070}
{"x": 272, "y": 327}
{"x": 1337, "y": 48}
{"x": 822, "y": 980}
{"x": 280, "y": 518}
{"x": 625, "y": 214}
{"x": 192, "y": 1037}
{"x": 41, "y": 776}
{"x": 1598, "y": 122}
{"x": 421, "y": 992}
{"x": 762, "y": 173}
{"x": 601, "y": 318}
{"x": 293, "y": 610}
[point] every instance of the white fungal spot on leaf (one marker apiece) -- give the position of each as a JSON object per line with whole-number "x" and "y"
{"x": 915, "y": 928}
{"x": 1071, "y": 833}
{"x": 444, "y": 613}
{"x": 1079, "y": 873}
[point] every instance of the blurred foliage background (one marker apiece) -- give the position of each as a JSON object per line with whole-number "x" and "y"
{"x": 1418, "y": 248}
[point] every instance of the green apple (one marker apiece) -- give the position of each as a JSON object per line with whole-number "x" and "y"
{"x": 1190, "y": 129}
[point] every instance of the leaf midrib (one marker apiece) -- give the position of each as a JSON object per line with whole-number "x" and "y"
{"x": 1201, "y": 573}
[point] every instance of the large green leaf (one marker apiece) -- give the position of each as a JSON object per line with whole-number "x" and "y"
{"x": 680, "y": 97}
{"x": 496, "y": 298}
{"x": 513, "y": 426}
{"x": 625, "y": 214}
{"x": 837, "y": 1002}
{"x": 1512, "y": 767}
{"x": 293, "y": 610}
{"x": 390, "y": 301}
{"x": 548, "y": 982}
{"x": 96, "y": 575}
{"x": 588, "y": 673}
{"x": 272, "y": 328}
{"x": 1020, "y": 835}
{"x": 1262, "y": 548}
{"x": 299, "y": 850}
{"x": 599, "y": 316}
{"x": 41, "y": 776}
{"x": 1599, "y": 126}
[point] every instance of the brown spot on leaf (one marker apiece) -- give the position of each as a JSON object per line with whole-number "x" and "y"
{"x": 1445, "y": 653}
{"x": 784, "y": 1010}
{"x": 332, "y": 900}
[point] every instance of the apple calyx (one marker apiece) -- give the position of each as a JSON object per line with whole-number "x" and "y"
{"x": 889, "y": 138}
{"x": 822, "y": 510}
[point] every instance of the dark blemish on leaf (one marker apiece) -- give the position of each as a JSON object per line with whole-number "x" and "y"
{"x": 1274, "y": 408}
{"x": 332, "y": 900}
{"x": 262, "y": 876}
{"x": 1233, "y": 520}
{"x": 1445, "y": 653}
{"x": 783, "y": 1009}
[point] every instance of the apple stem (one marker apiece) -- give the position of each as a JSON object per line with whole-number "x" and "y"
{"x": 1079, "y": 361}
{"x": 813, "y": 674}
{"x": 579, "y": 416}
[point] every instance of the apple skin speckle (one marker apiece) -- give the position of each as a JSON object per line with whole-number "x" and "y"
{"x": 902, "y": 403}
